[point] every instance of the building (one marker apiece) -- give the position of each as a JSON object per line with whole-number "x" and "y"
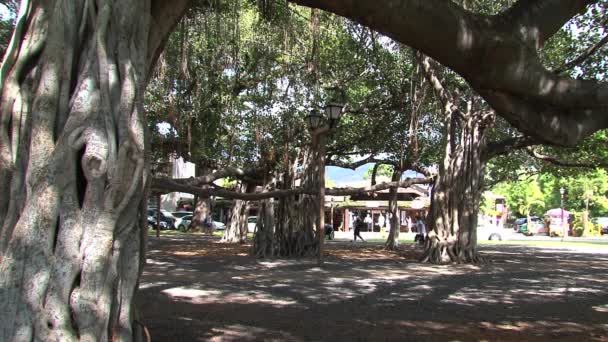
{"x": 341, "y": 210}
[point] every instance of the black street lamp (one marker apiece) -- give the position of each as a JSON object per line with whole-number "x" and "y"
{"x": 563, "y": 192}
{"x": 333, "y": 111}
{"x": 319, "y": 129}
{"x": 314, "y": 119}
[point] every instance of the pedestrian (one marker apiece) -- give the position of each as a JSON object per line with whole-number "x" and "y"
{"x": 421, "y": 229}
{"x": 381, "y": 221}
{"x": 368, "y": 221}
{"x": 208, "y": 225}
{"x": 357, "y": 230}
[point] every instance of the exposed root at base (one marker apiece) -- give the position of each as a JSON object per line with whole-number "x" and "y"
{"x": 445, "y": 252}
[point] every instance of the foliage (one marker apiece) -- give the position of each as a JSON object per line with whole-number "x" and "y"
{"x": 488, "y": 205}
{"x": 524, "y": 197}
{"x": 541, "y": 193}
{"x": 7, "y": 22}
{"x": 383, "y": 170}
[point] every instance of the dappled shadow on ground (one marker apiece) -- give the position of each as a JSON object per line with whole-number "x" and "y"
{"x": 196, "y": 289}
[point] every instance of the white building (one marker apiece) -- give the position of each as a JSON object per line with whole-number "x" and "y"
{"x": 180, "y": 169}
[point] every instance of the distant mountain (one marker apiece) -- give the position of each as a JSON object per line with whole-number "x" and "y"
{"x": 342, "y": 176}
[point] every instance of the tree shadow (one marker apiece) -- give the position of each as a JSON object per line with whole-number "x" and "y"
{"x": 523, "y": 293}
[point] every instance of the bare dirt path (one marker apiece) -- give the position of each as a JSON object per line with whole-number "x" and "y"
{"x": 196, "y": 289}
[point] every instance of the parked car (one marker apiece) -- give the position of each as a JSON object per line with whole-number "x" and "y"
{"x": 603, "y": 222}
{"x": 186, "y": 220}
{"x": 165, "y": 216}
{"x": 534, "y": 228}
{"x": 179, "y": 215}
{"x": 152, "y": 223}
{"x": 219, "y": 225}
{"x": 489, "y": 232}
{"x": 523, "y": 220}
{"x": 252, "y": 222}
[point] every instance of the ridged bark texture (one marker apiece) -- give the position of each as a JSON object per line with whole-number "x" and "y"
{"x": 457, "y": 191}
{"x": 294, "y": 220}
{"x": 236, "y": 232}
{"x": 392, "y": 241}
{"x": 73, "y": 171}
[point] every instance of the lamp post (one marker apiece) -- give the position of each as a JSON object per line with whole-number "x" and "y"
{"x": 319, "y": 130}
{"x": 562, "y": 191}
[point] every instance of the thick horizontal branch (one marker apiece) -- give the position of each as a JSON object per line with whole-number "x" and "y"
{"x": 498, "y": 148}
{"x": 488, "y": 185}
{"x": 555, "y": 161}
{"x": 251, "y": 175}
{"x": 166, "y": 185}
{"x": 352, "y": 165}
{"x": 543, "y": 17}
{"x": 414, "y": 166}
{"x": 497, "y": 55}
{"x": 378, "y": 187}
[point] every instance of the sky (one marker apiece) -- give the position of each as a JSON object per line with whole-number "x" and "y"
{"x": 341, "y": 176}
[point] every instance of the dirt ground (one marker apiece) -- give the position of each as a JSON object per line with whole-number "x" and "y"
{"x": 197, "y": 289}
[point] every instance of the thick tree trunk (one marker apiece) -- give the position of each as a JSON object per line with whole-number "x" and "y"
{"x": 202, "y": 208}
{"x": 263, "y": 240}
{"x": 73, "y": 171}
{"x": 293, "y": 237}
{"x": 293, "y": 228}
{"x": 202, "y": 211}
{"x": 236, "y": 232}
{"x": 456, "y": 194}
{"x": 392, "y": 242}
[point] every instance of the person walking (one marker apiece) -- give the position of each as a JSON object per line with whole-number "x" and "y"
{"x": 357, "y": 230}
{"x": 421, "y": 228}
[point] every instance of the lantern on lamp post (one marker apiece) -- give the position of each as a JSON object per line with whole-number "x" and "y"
{"x": 333, "y": 112}
{"x": 314, "y": 120}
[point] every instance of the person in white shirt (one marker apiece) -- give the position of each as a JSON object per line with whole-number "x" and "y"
{"x": 368, "y": 220}
{"x": 421, "y": 228}
{"x": 381, "y": 221}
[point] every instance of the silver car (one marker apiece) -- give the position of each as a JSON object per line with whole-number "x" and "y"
{"x": 186, "y": 220}
{"x": 489, "y": 232}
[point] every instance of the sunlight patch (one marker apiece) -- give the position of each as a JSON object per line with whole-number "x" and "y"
{"x": 158, "y": 263}
{"x": 206, "y": 296}
{"x": 150, "y": 285}
{"x": 238, "y": 332}
{"x": 185, "y": 292}
{"x": 600, "y": 308}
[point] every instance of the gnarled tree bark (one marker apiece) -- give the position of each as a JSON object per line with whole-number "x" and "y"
{"x": 457, "y": 189}
{"x": 72, "y": 166}
{"x": 392, "y": 241}
{"x": 236, "y": 231}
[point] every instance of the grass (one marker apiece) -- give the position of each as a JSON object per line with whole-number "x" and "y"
{"x": 171, "y": 232}
{"x": 152, "y": 232}
{"x": 409, "y": 239}
{"x": 544, "y": 243}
